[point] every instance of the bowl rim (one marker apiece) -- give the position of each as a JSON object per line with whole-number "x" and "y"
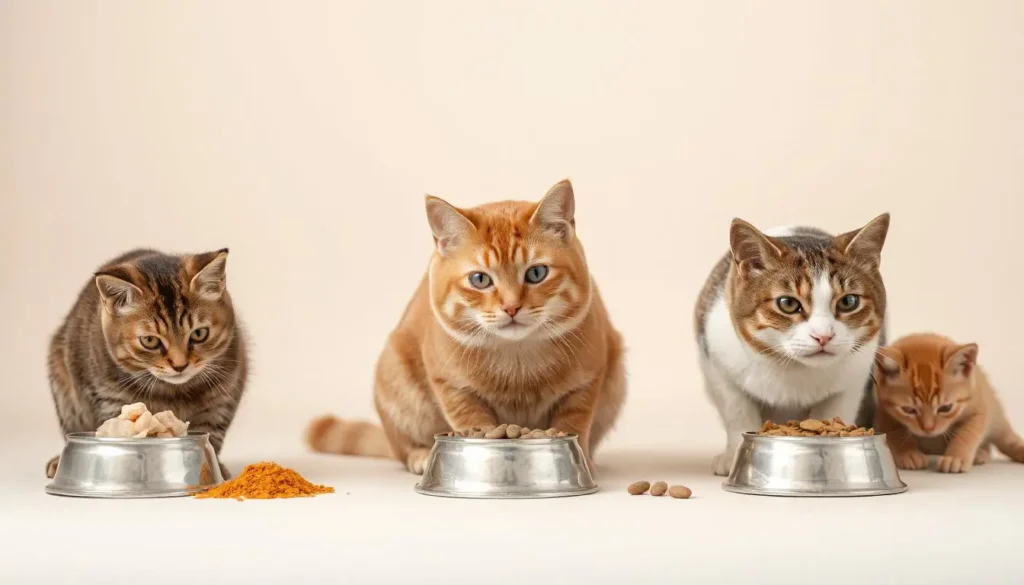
{"x": 755, "y": 436}
{"x": 90, "y": 437}
{"x": 444, "y": 438}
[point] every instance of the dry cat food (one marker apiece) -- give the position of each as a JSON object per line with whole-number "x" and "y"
{"x": 813, "y": 427}
{"x": 136, "y": 421}
{"x": 265, "y": 481}
{"x": 638, "y": 487}
{"x": 680, "y": 491}
{"x": 507, "y": 431}
{"x": 658, "y": 489}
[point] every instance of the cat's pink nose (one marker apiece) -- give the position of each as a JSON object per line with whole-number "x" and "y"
{"x": 180, "y": 368}
{"x": 822, "y": 338}
{"x": 512, "y": 310}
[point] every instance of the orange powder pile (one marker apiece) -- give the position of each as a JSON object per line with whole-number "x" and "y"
{"x": 265, "y": 481}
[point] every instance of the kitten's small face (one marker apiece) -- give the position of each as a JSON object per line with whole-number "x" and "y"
{"x": 924, "y": 383}
{"x": 509, "y": 271}
{"x": 167, "y": 317}
{"x": 808, "y": 298}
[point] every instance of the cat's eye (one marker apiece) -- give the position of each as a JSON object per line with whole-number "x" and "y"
{"x": 480, "y": 280}
{"x": 535, "y": 274}
{"x": 945, "y": 409}
{"x": 200, "y": 335}
{"x": 848, "y": 303}
{"x": 150, "y": 342}
{"x": 908, "y": 410}
{"x": 788, "y": 305}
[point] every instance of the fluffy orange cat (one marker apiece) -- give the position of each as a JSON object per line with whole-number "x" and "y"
{"x": 506, "y": 327}
{"x": 935, "y": 400}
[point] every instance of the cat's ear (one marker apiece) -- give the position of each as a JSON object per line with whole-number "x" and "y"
{"x": 960, "y": 360}
{"x": 211, "y": 280}
{"x": 751, "y": 249}
{"x": 118, "y": 295}
{"x": 866, "y": 243}
{"x": 889, "y": 362}
{"x": 447, "y": 224}
{"x": 556, "y": 212}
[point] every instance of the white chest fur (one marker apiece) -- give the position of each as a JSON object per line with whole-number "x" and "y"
{"x": 771, "y": 381}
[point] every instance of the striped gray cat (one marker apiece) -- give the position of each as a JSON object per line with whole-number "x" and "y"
{"x": 153, "y": 328}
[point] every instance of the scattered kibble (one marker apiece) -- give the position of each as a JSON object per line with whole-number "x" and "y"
{"x": 659, "y": 489}
{"x": 680, "y": 491}
{"x": 814, "y": 428}
{"x": 638, "y": 487}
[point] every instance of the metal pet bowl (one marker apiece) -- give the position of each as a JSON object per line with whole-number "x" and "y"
{"x": 506, "y": 468}
{"x": 135, "y": 468}
{"x": 814, "y": 466}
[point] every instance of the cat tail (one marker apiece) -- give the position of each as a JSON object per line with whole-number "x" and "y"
{"x": 330, "y": 434}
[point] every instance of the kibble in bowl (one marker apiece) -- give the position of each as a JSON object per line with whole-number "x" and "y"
{"x": 813, "y": 427}
{"x": 507, "y": 431}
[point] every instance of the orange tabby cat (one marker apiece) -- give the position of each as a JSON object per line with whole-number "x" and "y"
{"x": 935, "y": 400}
{"x": 506, "y": 327}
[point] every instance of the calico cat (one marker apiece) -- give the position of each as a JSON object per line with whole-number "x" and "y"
{"x": 507, "y": 326}
{"x": 153, "y": 328}
{"x": 934, "y": 399}
{"x": 787, "y": 326}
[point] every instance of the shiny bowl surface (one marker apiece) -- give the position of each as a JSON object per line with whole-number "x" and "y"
{"x": 506, "y": 468}
{"x": 135, "y": 468}
{"x": 814, "y": 466}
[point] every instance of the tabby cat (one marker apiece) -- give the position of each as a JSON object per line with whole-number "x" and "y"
{"x": 153, "y": 328}
{"x": 787, "y": 326}
{"x": 935, "y": 400}
{"x": 506, "y": 327}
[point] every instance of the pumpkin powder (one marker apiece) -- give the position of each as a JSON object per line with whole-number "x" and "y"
{"x": 265, "y": 481}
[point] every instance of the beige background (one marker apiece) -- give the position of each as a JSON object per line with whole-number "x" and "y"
{"x": 304, "y": 135}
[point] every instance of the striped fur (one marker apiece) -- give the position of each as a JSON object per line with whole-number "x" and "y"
{"x": 935, "y": 400}
{"x": 761, "y": 362}
{"x": 538, "y": 354}
{"x": 98, "y": 363}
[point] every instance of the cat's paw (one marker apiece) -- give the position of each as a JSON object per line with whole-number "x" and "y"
{"x": 911, "y": 460}
{"x": 416, "y": 461}
{"x": 722, "y": 463}
{"x": 953, "y": 464}
{"x": 51, "y": 467}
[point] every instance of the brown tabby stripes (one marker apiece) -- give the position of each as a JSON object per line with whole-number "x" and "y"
{"x": 99, "y": 360}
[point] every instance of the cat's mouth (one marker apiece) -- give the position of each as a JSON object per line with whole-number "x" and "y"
{"x": 178, "y": 377}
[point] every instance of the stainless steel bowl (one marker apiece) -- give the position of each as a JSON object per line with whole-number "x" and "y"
{"x": 135, "y": 468}
{"x": 814, "y": 466}
{"x": 506, "y": 468}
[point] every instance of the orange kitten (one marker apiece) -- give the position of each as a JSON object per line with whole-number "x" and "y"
{"x": 506, "y": 327}
{"x": 935, "y": 400}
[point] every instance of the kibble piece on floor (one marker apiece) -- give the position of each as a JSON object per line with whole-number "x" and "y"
{"x": 680, "y": 491}
{"x": 659, "y": 488}
{"x": 638, "y": 487}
